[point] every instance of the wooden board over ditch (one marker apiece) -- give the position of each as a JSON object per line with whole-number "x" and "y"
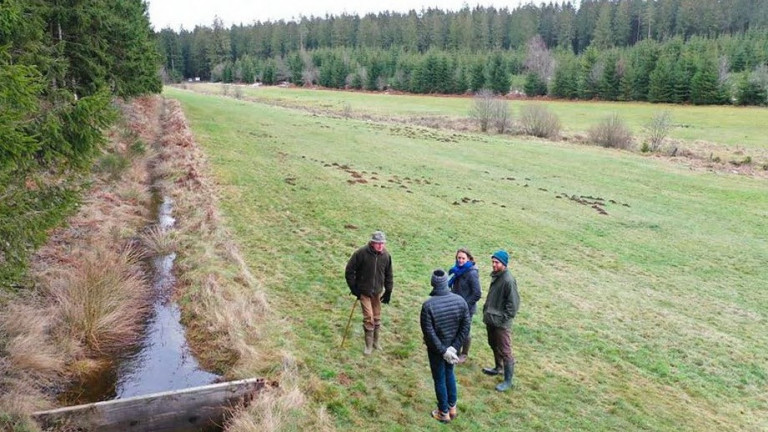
{"x": 192, "y": 409}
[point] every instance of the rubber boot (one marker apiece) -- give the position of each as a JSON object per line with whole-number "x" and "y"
{"x": 465, "y": 350}
{"x": 497, "y": 370}
{"x": 368, "y": 342}
{"x": 509, "y": 372}
{"x": 376, "y": 338}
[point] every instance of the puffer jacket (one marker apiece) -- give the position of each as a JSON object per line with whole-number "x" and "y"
{"x": 503, "y": 301}
{"x": 468, "y": 287}
{"x": 368, "y": 272}
{"x": 444, "y": 321}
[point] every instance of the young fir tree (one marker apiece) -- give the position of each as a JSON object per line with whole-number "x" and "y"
{"x": 563, "y": 83}
{"x": 661, "y": 85}
{"x": 498, "y": 79}
{"x": 609, "y": 81}
{"x": 705, "y": 87}
{"x": 750, "y": 92}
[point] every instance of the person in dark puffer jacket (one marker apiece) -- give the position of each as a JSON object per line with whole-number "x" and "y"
{"x": 445, "y": 325}
{"x": 465, "y": 282}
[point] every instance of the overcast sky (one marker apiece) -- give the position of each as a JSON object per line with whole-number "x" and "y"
{"x": 189, "y": 13}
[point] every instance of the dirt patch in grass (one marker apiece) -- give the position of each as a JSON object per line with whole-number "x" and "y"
{"x": 697, "y": 155}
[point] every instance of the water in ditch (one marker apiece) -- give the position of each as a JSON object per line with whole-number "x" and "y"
{"x": 162, "y": 361}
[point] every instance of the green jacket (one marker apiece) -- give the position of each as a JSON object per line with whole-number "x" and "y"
{"x": 368, "y": 272}
{"x": 503, "y": 301}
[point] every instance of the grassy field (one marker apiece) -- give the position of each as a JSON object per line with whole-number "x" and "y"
{"x": 742, "y": 128}
{"x": 650, "y": 317}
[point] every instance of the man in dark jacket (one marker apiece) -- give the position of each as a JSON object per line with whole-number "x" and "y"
{"x": 500, "y": 308}
{"x": 369, "y": 274}
{"x": 445, "y": 325}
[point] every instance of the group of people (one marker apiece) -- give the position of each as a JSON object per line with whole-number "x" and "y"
{"x": 446, "y": 316}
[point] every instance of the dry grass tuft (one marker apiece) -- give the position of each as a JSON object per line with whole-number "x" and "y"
{"x": 282, "y": 408}
{"x": 158, "y": 241}
{"x": 103, "y": 300}
{"x": 29, "y": 352}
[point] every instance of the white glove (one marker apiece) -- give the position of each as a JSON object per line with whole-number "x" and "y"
{"x": 450, "y": 355}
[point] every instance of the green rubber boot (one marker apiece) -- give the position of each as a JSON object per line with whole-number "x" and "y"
{"x": 368, "y": 342}
{"x": 509, "y": 372}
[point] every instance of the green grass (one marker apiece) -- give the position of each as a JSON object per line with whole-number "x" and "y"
{"x": 736, "y": 127}
{"x": 652, "y": 317}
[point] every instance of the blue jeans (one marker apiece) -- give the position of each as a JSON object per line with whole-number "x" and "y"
{"x": 445, "y": 381}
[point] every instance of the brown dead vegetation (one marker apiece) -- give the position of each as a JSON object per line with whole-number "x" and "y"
{"x": 90, "y": 293}
{"x": 230, "y": 325}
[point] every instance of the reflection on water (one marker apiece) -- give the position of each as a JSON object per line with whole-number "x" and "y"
{"x": 163, "y": 361}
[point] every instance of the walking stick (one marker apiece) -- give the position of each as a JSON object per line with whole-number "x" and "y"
{"x": 346, "y": 330}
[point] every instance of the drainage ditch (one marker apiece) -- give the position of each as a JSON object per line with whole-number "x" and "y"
{"x": 162, "y": 361}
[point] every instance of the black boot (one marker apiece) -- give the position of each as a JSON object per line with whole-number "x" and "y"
{"x": 509, "y": 372}
{"x": 497, "y": 370}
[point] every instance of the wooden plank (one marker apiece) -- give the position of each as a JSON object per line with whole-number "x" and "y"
{"x": 191, "y": 409}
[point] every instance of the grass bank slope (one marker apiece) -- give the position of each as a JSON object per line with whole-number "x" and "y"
{"x": 642, "y": 283}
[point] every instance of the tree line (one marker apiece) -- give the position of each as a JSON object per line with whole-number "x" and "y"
{"x": 61, "y": 64}
{"x": 602, "y": 49}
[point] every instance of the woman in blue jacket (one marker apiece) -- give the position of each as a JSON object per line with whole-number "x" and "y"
{"x": 465, "y": 282}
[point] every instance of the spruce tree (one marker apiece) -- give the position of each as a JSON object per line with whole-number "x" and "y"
{"x": 477, "y": 79}
{"x": 661, "y": 85}
{"x": 498, "y": 79}
{"x": 750, "y": 92}
{"x": 704, "y": 84}
{"x": 609, "y": 81}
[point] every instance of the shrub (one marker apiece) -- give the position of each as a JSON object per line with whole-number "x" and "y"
{"x": 238, "y": 92}
{"x": 137, "y": 148}
{"x": 113, "y": 164}
{"x": 657, "y": 130}
{"x": 482, "y": 110}
{"x": 534, "y": 86}
{"x": 536, "y": 120}
{"x": 489, "y": 110}
{"x": 611, "y": 132}
{"x": 502, "y": 117}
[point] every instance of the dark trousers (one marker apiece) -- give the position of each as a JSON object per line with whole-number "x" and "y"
{"x": 500, "y": 341}
{"x": 445, "y": 381}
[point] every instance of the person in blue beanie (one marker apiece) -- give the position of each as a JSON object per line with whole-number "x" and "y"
{"x": 444, "y": 323}
{"x": 465, "y": 282}
{"x": 499, "y": 310}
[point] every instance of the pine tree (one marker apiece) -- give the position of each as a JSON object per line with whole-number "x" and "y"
{"x": 587, "y": 81}
{"x": 563, "y": 83}
{"x": 660, "y": 86}
{"x": 750, "y": 92}
{"x": 704, "y": 84}
{"x": 534, "y": 86}
{"x": 477, "y": 79}
{"x": 609, "y": 81}
{"x": 498, "y": 79}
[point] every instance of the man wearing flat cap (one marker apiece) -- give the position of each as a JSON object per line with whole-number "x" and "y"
{"x": 500, "y": 308}
{"x": 369, "y": 277}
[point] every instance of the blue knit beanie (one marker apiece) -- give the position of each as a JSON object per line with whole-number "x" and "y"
{"x": 439, "y": 280}
{"x": 502, "y": 256}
